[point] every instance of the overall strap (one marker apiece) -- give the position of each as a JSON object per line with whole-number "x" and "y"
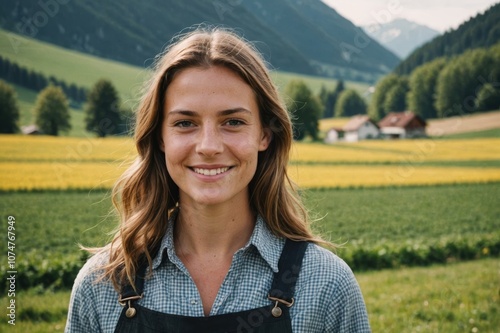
{"x": 129, "y": 295}
{"x": 289, "y": 267}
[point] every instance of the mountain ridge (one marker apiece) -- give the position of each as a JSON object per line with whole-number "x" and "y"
{"x": 401, "y": 36}
{"x": 135, "y": 33}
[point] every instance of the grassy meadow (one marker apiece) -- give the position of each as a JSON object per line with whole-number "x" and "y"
{"x": 67, "y": 65}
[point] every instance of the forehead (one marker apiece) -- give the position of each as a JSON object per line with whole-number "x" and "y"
{"x": 214, "y": 87}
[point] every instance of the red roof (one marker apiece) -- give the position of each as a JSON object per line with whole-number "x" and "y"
{"x": 400, "y": 119}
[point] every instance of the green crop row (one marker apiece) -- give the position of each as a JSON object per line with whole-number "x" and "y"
{"x": 35, "y": 272}
{"x": 392, "y": 255}
{"x": 59, "y": 274}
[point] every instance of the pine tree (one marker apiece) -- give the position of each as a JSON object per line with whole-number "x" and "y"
{"x": 102, "y": 115}
{"x": 9, "y": 110}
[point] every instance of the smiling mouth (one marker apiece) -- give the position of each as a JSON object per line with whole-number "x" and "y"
{"x": 210, "y": 172}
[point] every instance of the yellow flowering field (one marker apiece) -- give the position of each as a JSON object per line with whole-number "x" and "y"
{"x": 42, "y": 162}
{"x": 67, "y": 149}
{"x": 58, "y": 175}
{"x": 399, "y": 150}
{"x": 318, "y": 176}
{"x": 97, "y": 175}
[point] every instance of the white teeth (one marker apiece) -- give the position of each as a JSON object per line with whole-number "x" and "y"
{"x": 210, "y": 172}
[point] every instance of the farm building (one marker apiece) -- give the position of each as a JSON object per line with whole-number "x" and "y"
{"x": 360, "y": 127}
{"x": 399, "y": 125}
{"x": 30, "y": 130}
{"x": 334, "y": 134}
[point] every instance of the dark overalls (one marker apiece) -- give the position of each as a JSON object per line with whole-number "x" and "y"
{"x": 273, "y": 318}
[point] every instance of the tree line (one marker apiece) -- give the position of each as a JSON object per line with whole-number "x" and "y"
{"x": 444, "y": 87}
{"x": 12, "y": 72}
{"x": 103, "y": 114}
{"x": 306, "y": 108}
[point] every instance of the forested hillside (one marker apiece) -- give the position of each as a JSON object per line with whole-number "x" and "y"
{"x": 481, "y": 31}
{"x": 328, "y": 39}
{"x": 312, "y": 38}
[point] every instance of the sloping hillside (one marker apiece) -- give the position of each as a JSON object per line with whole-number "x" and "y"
{"x": 134, "y": 32}
{"x": 328, "y": 39}
{"x": 481, "y": 31}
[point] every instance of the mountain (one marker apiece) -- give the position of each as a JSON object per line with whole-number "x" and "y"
{"x": 483, "y": 30}
{"x": 328, "y": 39}
{"x": 401, "y": 36}
{"x": 135, "y": 32}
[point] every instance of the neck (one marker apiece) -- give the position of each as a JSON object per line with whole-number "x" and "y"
{"x": 208, "y": 231}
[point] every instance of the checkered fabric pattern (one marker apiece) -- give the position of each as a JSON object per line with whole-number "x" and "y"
{"x": 327, "y": 295}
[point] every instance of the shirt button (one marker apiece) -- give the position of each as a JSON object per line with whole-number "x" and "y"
{"x": 194, "y": 302}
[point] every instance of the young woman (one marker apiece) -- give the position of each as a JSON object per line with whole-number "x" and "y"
{"x": 213, "y": 236}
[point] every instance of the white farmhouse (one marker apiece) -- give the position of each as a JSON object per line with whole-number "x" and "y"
{"x": 360, "y": 127}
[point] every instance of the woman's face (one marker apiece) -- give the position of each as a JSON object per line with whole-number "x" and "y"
{"x": 211, "y": 136}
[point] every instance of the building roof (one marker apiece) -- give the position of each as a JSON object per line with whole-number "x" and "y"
{"x": 356, "y": 122}
{"x": 30, "y": 129}
{"x": 399, "y": 119}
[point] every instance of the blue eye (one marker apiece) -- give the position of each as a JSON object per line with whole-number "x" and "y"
{"x": 184, "y": 123}
{"x": 234, "y": 122}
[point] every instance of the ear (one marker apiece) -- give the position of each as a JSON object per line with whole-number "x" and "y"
{"x": 265, "y": 140}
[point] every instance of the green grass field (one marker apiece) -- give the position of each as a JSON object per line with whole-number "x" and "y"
{"x": 447, "y": 298}
{"x": 460, "y": 297}
{"x": 55, "y": 222}
{"x": 399, "y": 214}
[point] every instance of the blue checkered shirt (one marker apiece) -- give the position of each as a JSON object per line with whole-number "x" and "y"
{"x": 327, "y": 296}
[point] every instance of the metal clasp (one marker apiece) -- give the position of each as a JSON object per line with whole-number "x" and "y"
{"x": 131, "y": 311}
{"x": 276, "y": 311}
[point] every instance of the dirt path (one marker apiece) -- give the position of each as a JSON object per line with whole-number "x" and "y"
{"x": 462, "y": 124}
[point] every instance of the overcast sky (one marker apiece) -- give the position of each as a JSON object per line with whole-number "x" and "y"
{"x": 440, "y": 15}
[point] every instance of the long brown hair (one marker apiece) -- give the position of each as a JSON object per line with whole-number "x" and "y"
{"x": 145, "y": 194}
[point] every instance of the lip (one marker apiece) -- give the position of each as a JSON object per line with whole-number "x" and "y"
{"x": 210, "y": 171}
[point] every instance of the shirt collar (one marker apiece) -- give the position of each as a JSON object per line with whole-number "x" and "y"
{"x": 268, "y": 245}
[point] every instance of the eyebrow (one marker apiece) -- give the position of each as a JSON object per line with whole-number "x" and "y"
{"x": 222, "y": 113}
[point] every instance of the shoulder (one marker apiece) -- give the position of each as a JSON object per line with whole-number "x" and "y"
{"x": 327, "y": 294}
{"x": 93, "y": 304}
{"x": 89, "y": 286}
{"x": 91, "y": 271}
{"x": 320, "y": 263}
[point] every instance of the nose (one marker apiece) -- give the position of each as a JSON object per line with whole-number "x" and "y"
{"x": 210, "y": 141}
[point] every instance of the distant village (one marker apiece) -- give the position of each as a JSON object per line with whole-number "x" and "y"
{"x": 395, "y": 125}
